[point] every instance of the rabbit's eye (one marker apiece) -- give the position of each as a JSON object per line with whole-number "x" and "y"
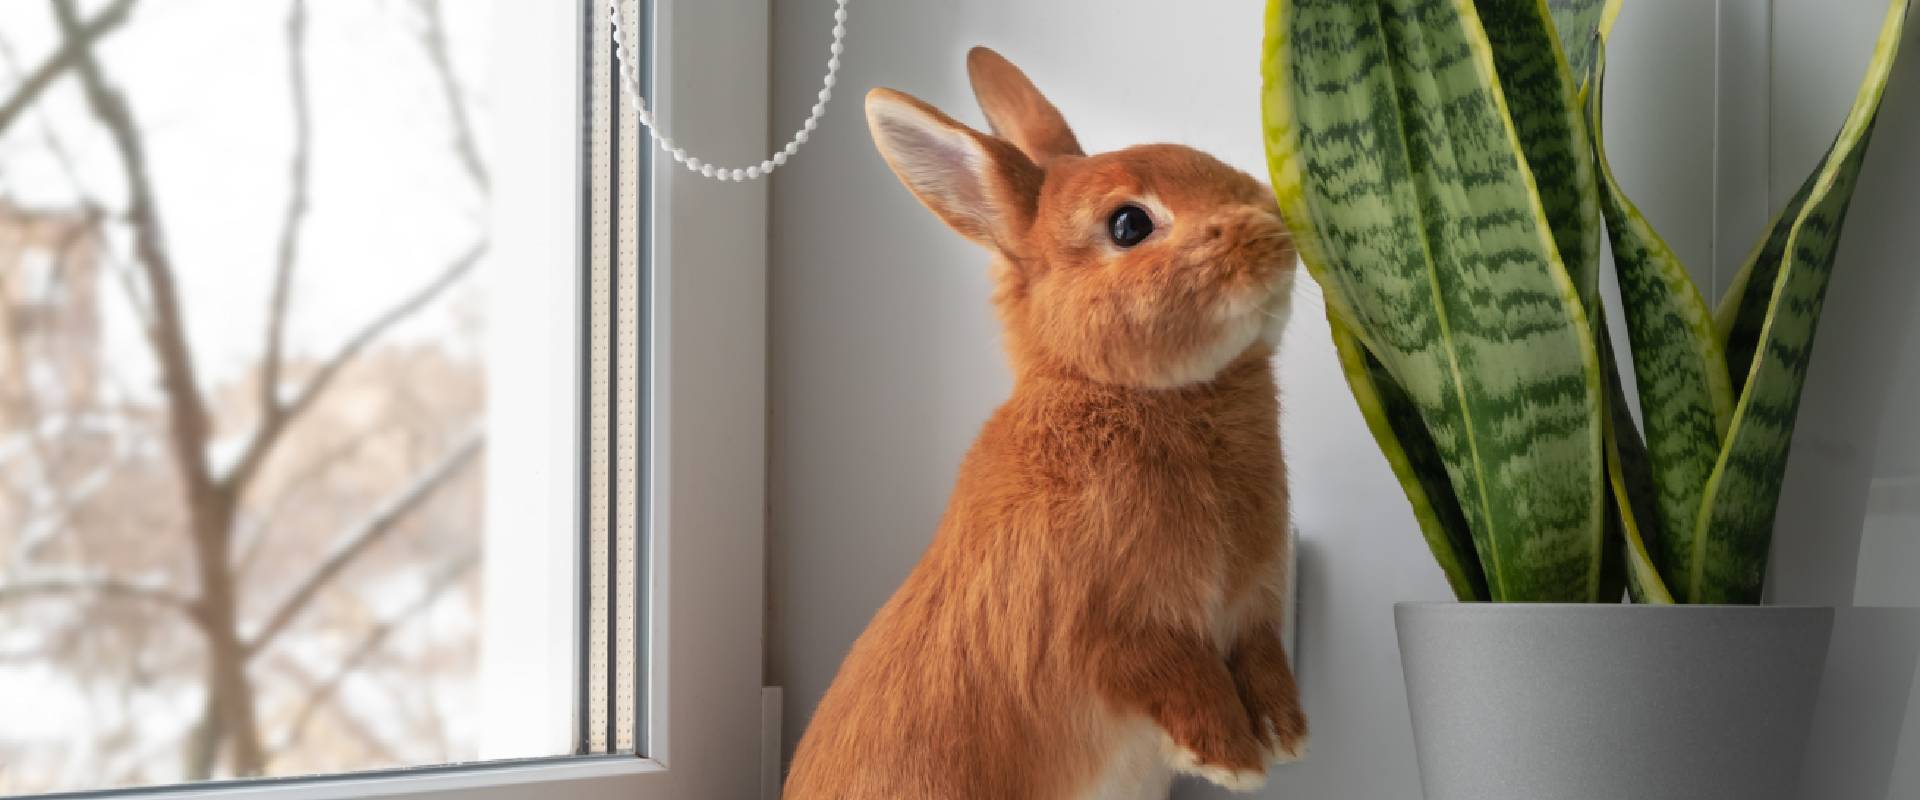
{"x": 1129, "y": 225}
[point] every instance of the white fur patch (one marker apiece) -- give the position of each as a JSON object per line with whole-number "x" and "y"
{"x": 1243, "y": 321}
{"x": 1279, "y": 309}
{"x": 1186, "y": 762}
{"x": 1236, "y": 336}
{"x": 1135, "y": 769}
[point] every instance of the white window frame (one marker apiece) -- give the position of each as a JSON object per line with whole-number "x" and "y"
{"x": 706, "y": 509}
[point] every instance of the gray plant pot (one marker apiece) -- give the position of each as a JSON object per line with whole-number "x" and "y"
{"x": 1611, "y": 702}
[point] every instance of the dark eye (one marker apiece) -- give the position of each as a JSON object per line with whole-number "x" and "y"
{"x": 1129, "y": 225}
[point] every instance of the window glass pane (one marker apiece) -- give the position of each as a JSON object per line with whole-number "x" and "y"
{"x": 245, "y": 342}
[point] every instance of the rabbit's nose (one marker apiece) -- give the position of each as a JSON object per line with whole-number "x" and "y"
{"x": 1245, "y": 222}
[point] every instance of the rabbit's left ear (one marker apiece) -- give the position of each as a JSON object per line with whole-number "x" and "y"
{"x": 980, "y": 185}
{"x": 1017, "y": 111}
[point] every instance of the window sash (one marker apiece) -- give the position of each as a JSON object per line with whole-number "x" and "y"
{"x": 618, "y": 391}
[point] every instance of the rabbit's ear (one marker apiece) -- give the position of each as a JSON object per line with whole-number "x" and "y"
{"x": 1017, "y": 111}
{"x": 980, "y": 185}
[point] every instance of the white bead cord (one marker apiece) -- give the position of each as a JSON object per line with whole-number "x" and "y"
{"x": 630, "y": 79}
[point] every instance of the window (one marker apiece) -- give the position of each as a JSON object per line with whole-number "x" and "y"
{"x": 357, "y": 414}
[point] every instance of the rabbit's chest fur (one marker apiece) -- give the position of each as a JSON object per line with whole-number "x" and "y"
{"x": 1163, "y": 506}
{"x": 1078, "y": 509}
{"x": 1178, "y": 518}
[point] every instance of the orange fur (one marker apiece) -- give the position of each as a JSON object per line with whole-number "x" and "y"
{"x": 1112, "y": 556}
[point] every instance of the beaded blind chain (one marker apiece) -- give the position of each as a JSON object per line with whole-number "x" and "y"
{"x": 630, "y": 79}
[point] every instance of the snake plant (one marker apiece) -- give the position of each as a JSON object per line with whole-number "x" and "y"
{"x": 1441, "y": 166}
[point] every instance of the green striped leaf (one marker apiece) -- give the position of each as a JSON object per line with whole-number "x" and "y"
{"x": 1637, "y": 530}
{"x": 1410, "y": 201}
{"x": 1743, "y": 308}
{"x": 1583, "y": 26}
{"x": 1735, "y": 525}
{"x": 1644, "y": 584}
{"x": 1547, "y": 118}
{"x": 1686, "y": 398}
{"x": 1397, "y": 428}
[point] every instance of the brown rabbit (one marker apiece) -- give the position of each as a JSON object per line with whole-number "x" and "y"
{"x": 1100, "y": 607}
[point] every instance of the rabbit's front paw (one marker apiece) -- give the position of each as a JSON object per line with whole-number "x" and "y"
{"x": 1274, "y": 705}
{"x": 1178, "y": 680}
{"x": 1264, "y": 679}
{"x": 1224, "y": 755}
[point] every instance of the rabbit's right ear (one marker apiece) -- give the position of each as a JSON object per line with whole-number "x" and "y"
{"x": 1017, "y": 110}
{"x": 981, "y": 186}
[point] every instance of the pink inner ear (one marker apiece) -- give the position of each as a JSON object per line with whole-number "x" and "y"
{"x": 942, "y": 165}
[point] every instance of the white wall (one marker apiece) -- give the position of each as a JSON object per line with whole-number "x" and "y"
{"x": 884, "y": 356}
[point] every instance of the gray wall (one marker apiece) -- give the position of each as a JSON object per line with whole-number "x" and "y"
{"x": 1848, "y": 527}
{"x": 884, "y": 356}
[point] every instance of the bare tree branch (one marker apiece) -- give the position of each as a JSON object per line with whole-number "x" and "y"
{"x": 277, "y": 416}
{"x": 276, "y": 423}
{"x": 56, "y": 502}
{"x": 62, "y": 60}
{"x": 90, "y": 206}
{"x": 42, "y": 525}
{"x": 434, "y": 38}
{"x": 68, "y": 501}
{"x": 296, "y": 215}
{"x": 187, "y": 409}
{"x": 445, "y": 578}
{"x": 364, "y": 536}
{"x": 95, "y": 585}
{"x": 260, "y": 529}
{"x": 228, "y": 718}
{"x": 378, "y": 750}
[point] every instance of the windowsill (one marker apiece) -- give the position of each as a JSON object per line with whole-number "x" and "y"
{"x": 576, "y": 777}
